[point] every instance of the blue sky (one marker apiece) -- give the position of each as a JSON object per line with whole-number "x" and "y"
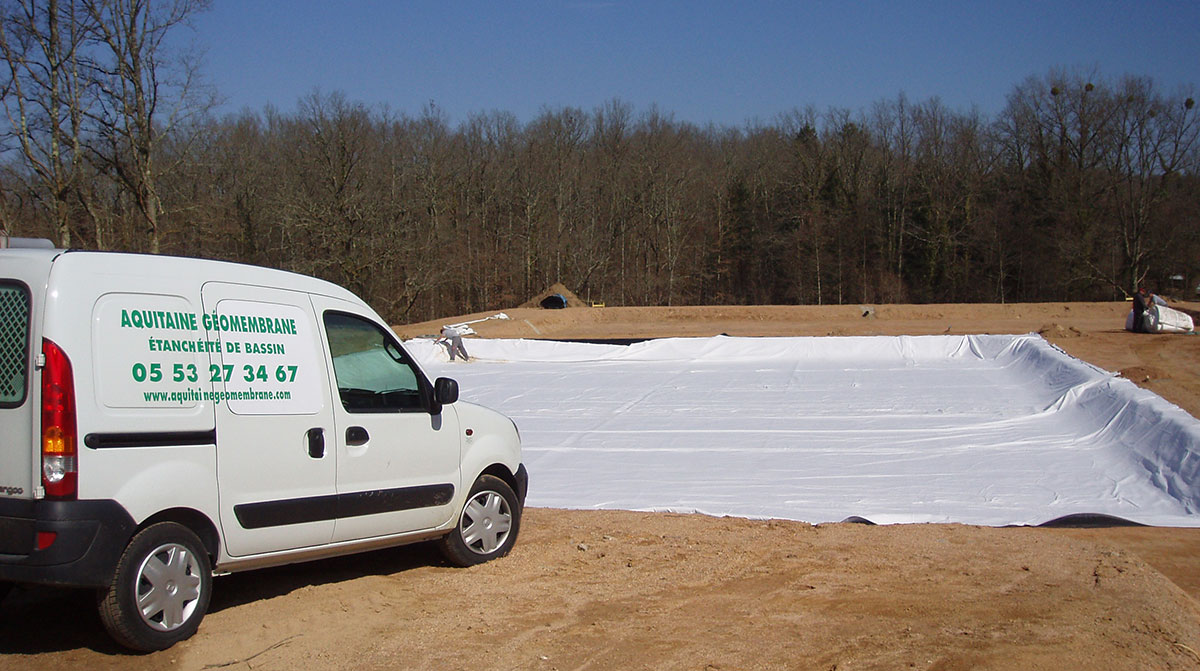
{"x": 703, "y": 61}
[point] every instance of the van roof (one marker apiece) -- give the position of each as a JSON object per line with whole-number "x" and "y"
{"x": 204, "y": 270}
{"x": 30, "y": 252}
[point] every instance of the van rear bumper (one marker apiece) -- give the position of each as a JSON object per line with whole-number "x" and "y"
{"x": 89, "y": 537}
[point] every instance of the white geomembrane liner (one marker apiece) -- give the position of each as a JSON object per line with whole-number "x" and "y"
{"x": 983, "y": 429}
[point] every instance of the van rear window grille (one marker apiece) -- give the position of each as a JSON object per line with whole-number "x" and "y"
{"x": 14, "y": 344}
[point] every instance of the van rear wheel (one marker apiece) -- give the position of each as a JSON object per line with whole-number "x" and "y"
{"x": 160, "y": 590}
{"x": 488, "y": 525}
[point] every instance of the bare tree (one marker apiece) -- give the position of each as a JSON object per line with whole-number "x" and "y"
{"x": 489, "y": 146}
{"x": 147, "y": 91}
{"x": 893, "y": 128}
{"x": 608, "y": 199}
{"x": 1155, "y": 139}
{"x": 46, "y": 95}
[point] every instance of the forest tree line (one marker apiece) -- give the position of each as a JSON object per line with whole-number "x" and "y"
{"x": 1081, "y": 188}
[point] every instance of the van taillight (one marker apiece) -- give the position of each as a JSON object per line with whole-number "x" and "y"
{"x": 59, "y": 474}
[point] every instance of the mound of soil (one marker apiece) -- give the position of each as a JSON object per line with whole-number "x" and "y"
{"x": 573, "y": 301}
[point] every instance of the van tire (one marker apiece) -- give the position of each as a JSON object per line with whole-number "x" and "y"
{"x": 487, "y": 526}
{"x": 168, "y": 562}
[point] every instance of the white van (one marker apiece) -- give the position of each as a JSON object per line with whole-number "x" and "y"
{"x": 163, "y": 418}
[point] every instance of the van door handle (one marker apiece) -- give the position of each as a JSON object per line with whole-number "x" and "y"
{"x": 316, "y": 443}
{"x": 357, "y": 435}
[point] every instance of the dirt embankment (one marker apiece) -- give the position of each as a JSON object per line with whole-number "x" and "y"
{"x": 626, "y": 590}
{"x": 1167, "y": 364}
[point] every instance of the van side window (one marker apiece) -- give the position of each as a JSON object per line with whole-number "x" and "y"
{"x": 373, "y": 373}
{"x": 14, "y": 344}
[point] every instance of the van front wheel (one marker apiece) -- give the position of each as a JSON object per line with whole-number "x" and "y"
{"x": 488, "y": 525}
{"x": 160, "y": 590}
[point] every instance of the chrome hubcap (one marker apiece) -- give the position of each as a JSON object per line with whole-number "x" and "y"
{"x": 168, "y": 587}
{"x": 486, "y": 522}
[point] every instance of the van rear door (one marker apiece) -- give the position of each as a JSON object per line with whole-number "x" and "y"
{"x": 22, "y": 280}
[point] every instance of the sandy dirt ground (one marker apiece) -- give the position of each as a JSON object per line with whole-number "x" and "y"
{"x": 628, "y": 590}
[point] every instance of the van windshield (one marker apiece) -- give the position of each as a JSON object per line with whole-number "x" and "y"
{"x": 14, "y": 343}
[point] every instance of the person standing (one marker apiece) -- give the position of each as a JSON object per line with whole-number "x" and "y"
{"x": 1141, "y": 304}
{"x": 452, "y": 339}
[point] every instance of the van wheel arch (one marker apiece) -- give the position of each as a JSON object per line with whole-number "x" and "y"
{"x": 501, "y": 471}
{"x": 196, "y": 521}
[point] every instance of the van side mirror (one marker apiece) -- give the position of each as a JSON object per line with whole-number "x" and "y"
{"x": 445, "y": 392}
